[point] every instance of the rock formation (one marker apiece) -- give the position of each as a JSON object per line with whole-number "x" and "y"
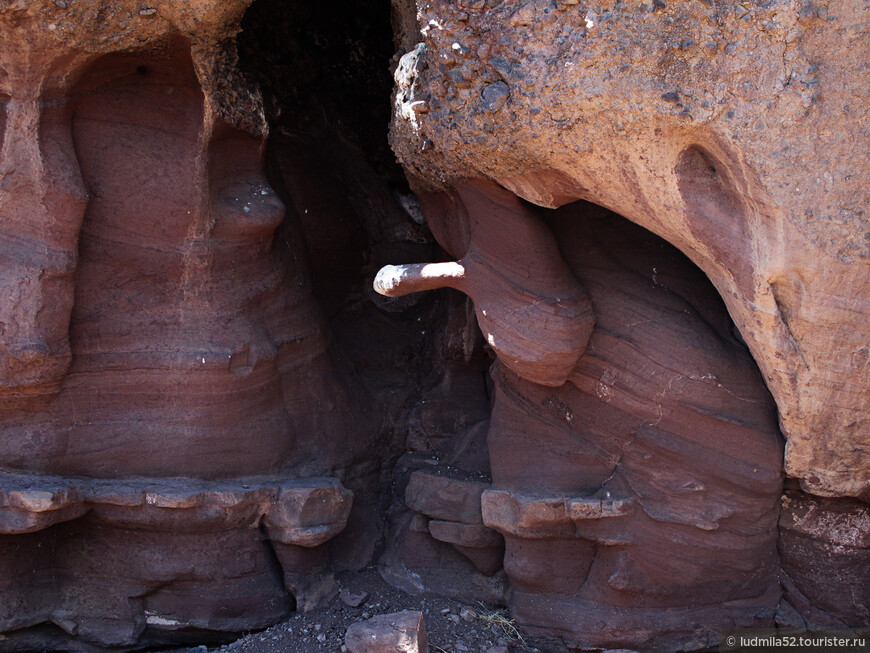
{"x": 206, "y": 410}
{"x": 651, "y": 479}
{"x": 696, "y": 121}
{"x": 169, "y": 392}
{"x": 401, "y": 632}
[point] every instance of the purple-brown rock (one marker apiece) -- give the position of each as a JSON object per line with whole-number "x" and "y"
{"x": 399, "y": 632}
{"x": 637, "y": 413}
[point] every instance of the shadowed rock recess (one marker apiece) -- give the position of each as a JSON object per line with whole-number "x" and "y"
{"x": 596, "y": 348}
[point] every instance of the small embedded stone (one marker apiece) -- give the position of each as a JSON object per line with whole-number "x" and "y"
{"x": 147, "y": 11}
{"x": 495, "y": 95}
{"x": 458, "y": 79}
{"x": 502, "y": 66}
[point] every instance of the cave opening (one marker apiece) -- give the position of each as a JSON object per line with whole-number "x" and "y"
{"x": 325, "y": 74}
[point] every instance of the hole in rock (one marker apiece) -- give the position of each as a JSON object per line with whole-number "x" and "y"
{"x": 718, "y": 219}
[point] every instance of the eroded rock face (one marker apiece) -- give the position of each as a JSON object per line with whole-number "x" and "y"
{"x": 697, "y": 121}
{"x": 199, "y": 388}
{"x": 638, "y": 500}
{"x": 718, "y": 126}
{"x": 157, "y": 324}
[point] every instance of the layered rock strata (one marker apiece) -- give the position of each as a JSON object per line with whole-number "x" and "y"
{"x": 697, "y": 121}
{"x": 196, "y": 377}
{"x": 721, "y": 127}
{"x": 118, "y": 562}
{"x": 171, "y": 444}
{"x": 639, "y": 500}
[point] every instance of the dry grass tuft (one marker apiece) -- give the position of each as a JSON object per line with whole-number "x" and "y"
{"x": 500, "y": 622}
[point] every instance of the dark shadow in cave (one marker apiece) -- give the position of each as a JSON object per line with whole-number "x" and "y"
{"x": 325, "y": 73}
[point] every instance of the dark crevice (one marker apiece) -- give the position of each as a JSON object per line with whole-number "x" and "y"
{"x": 324, "y": 67}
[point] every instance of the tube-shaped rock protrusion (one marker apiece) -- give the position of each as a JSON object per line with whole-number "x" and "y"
{"x": 532, "y": 310}
{"x": 400, "y": 280}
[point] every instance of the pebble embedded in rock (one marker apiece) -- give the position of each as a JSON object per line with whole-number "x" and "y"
{"x": 495, "y": 95}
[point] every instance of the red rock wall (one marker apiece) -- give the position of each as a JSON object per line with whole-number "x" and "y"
{"x": 718, "y": 126}
{"x": 639, "y": 500}
{"x": 176, "y": 414}
{"x": 204, "y": 406}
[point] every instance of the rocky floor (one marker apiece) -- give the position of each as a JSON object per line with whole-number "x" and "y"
{"x": 452, "y": 627}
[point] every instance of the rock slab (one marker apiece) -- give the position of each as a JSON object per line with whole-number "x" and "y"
{"x": 399, "y": 632}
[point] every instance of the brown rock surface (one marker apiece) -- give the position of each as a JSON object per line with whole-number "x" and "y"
{"x": 444, "y": 497}
{"x": 538, "y": 324}
{"x": 189, "y": 554}
{"x": 639, "y": 500}
{"x": 735, "y": 132}
{"x": 206, "y": 412}
{"x": 167, "y": 382}
{"x": 824, "y": 547}
{"x": 47, "y": 47}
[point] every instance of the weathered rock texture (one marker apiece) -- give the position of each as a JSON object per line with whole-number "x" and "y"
{"x": 639, "y": 500}
{"x": 175, "y": 414}
{"x": 734, "y": 131}
{"x": 400, "y": 632}
{"x": 205, "y": 409}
